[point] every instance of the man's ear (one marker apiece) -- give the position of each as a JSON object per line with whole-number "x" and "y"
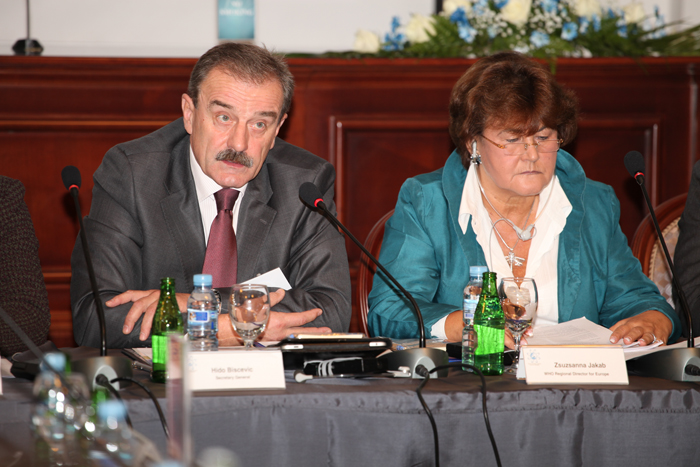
{"x": 282, "y": 120}
{"x": 187, "y": 112}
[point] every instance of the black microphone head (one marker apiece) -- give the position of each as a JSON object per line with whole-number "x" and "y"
{"x": 309, "y": 193}
{"x": 71, "y": 176}
{"x": 634, "y": 163}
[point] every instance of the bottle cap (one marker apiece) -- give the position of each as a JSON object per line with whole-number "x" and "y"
{"x": 57, "y": 360}
{"x": 202, "y": 280}
{"x": 477, "y": 270}
{"x": 111, "y": 409}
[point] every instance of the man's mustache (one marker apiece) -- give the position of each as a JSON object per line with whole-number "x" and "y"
{"x": 237, "y": 157}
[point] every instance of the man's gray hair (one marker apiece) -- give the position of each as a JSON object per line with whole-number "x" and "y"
{"x": 247, "y": 63}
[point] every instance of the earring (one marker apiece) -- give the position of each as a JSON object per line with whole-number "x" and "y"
{"x": 475, "y": 157}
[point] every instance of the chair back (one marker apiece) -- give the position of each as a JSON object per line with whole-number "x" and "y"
{"x": 367, "y": 268}
{"x": 647, "y": 248}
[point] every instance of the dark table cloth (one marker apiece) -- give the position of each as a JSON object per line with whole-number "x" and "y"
{"x": 380, "y": 422}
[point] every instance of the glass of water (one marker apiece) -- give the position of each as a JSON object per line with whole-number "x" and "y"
{"x": 249, "y": 311}
{"x": 519, "y": 302}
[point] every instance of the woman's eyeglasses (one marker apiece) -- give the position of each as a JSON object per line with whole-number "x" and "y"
{"x": 518, "y": 149}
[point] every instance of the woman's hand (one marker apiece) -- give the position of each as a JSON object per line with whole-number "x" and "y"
{"x": 644, "y": 327}
{"x": 454, "y": 325}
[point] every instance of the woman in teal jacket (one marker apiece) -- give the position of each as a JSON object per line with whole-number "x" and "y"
{"x": 508, "y": 118}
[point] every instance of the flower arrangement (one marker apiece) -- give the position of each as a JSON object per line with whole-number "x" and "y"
{"x": 539, "y": 28}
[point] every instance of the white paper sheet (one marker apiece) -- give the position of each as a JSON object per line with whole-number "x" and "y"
{"x": 584, "y": 332}
{"x": 274, "y": 278}
{"x": 575, "y": 332}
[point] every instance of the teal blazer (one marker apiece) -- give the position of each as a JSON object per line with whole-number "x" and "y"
{"x": 424, "y": 248}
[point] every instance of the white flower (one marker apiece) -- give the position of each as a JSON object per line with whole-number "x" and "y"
{"x": 418, "y": 28}
{"x": 450, "y": 6}
{"x": 586, "y": 8}
{"x": 634, "y": 12}
{"x": 366, "y": 42}
{"x": 517, "y": 11}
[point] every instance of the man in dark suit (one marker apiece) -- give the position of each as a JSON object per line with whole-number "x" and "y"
{"x": 154, "y": 205}
{"x": 687, "y": 254}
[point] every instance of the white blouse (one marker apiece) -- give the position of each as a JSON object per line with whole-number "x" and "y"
{"x": 553, "y": 209}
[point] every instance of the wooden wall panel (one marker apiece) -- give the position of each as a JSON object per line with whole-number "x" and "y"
{"x": 373, "y": 157}
{"x": 36, "y": 152}
{"x": 601, "y": 147}
{"x": 378, "y": 121}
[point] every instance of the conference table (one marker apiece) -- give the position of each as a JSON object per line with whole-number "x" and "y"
{"x": 380, "y": 422}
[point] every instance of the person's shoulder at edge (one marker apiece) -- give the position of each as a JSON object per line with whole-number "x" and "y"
{"x": 10, "y": 188}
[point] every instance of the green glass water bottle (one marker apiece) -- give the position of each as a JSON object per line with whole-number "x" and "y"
{"x": 166, "y": 321}
{"x": 489, "y": 324}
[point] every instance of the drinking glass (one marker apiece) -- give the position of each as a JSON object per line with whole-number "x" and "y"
{"x": 519, "y": 302}
{"x": 249, "y": 311}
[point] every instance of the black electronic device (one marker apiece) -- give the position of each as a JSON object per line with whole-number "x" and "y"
{"x": 411, "y": 358}
{"x": 27, "y": 364}
{"x": 297, "y": 352}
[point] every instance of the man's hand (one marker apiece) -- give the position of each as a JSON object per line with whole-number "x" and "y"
{"x": 145, "y": 303}
{"x": 643, "y": 328}
{"x": 278, "y": 327}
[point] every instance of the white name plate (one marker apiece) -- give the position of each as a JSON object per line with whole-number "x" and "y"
{"x": 574, "y": 364}
{"x": 236, "y": 369}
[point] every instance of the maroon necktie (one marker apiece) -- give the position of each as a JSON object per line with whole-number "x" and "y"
{"x": 221, "y": 260}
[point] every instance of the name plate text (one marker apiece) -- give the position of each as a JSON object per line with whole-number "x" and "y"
{"x": 574, "y": 364}
{"x": 236, "y": 369}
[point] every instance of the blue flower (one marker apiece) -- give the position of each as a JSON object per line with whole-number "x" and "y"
{"x": 493, "y": 31}
{"x": 583, "y": 27}
{"x": 569, "y": 31}
{"x": 394, "y": 40}
{"x": 539, "y": 39}
{"x": 467, "y": 32}
{"x": 621, "y": 26}
{"x": 395, "y": 24}
{"x": 459, "y": 16}
{"x": 657, "y": 22}
{"x": 480, "y": 7}
{"x": 501, "y": 3}
{"x": 596, "y": 23}
{"x": 550, "y": 6}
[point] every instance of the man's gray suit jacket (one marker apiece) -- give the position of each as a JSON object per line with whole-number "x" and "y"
{"x": 144, "y": 224}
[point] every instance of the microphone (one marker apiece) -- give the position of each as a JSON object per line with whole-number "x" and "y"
{"x": 411, "y": 358}
{"x": 112, "y": 367}
{"x": 673, "y": 364}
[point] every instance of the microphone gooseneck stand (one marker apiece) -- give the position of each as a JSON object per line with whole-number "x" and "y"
{"x": 411, "y": 358}
{"x": 673, "y": 364}
{"x": 111, "y": 366}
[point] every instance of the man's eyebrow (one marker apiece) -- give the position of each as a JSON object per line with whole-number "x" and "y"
{"x": 265, "y": 113}
{"x": 268, "y": 113}
{"x": 220, "y": 104}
